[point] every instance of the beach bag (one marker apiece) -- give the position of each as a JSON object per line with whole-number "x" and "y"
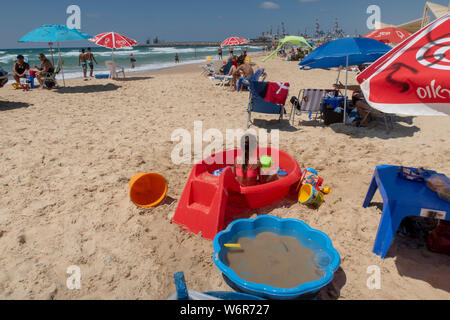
{"x": 49, "y": 83}
{"x": 439, "y": 239}
{"x": 330, "y": 116}
{"x": 277, "y": 92}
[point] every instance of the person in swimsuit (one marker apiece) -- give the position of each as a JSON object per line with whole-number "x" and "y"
{"x": 89, "y": 60}
{"x": 247, "y": 166}
{"x": 231, "y": 50}
{"x": 45, "y": 69}
{"x": 220, "y": 53}
{"x": 177, "y": 59}
{"x": 243, "y": 69}
{"x": 82, "y": 62}
{"x": 20, "y": 68}
{"x": 132, "y": 60}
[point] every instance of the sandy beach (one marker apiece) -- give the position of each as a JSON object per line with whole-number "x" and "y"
{"x": 67, "y": 155}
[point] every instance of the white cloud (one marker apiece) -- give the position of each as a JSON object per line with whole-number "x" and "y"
{"x": 269, "y": 5}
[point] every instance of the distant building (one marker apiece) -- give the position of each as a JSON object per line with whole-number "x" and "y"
{"x": 431, "y": 12}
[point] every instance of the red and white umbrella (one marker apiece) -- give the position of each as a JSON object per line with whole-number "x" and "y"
{"x": 234, "y": 41}
{"x": 113, "y": 41}
{"x": 388, "y": 35}
{"x": 413, "y": 78}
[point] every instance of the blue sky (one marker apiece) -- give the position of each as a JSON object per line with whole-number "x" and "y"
{"x": 195, "y": 20}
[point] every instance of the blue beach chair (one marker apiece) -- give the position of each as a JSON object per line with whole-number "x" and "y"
{"x": 223, "y": 78}
{"x": 259, "y": 105}
{"x": 246, "y": 81}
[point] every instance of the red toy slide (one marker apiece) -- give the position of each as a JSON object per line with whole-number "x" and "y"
{"x": 209, "y": 203}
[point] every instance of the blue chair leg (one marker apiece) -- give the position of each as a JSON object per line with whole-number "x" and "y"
{"x": 389, "y": 224}
{"x": 372, "y": 189}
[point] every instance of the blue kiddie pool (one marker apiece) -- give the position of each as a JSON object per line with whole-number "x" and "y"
{"x": 325, "y": 255}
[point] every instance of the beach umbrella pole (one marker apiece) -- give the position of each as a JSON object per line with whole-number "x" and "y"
{"x": 62, "y": 68}
{"x": 345, "y": 98}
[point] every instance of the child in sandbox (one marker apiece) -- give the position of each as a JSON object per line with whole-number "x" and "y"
{"x": 247, "y": 166}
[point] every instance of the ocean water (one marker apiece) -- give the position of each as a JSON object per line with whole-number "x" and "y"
{"x": 148, "y": 59}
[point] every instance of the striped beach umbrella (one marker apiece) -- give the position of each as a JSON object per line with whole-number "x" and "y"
{"x": 412, "y": 78}
{"x": 234, "y": 41}
{"x": 113, "y": 40}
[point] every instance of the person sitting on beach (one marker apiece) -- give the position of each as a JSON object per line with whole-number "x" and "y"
{"x": 247, "y": 166}
{"x": 364, "y": 110}
{"x": 20, "y": 68}
{"x": 243, "y": 70}
{"x": 82, "y": 62}
{"x": 45, "y": 69}
{"x": 132, "y": 60}
{"x": 89, "y": 60}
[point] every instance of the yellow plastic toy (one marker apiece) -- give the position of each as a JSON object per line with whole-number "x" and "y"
{"x": 310, "y": 195}
{"x": 16, "y": 85}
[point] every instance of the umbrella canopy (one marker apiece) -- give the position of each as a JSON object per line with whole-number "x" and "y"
{"x": 54, "y": 33}
{"x": 388, "y": 35}
{"x": 295, "y": 40}
{"x": 345, "y": 52}
{"x": 113, "y": 40}
{"x": 413, "y": 77}
{"x": 334, "y": 53}
{"x": 234, "y": 41}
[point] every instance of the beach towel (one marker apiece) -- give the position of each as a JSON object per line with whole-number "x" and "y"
{"x": 277, "y": 92}
{"x": 260, "y": 88}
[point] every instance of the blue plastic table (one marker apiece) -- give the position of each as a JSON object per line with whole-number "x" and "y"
{"x": 401, "y": 198}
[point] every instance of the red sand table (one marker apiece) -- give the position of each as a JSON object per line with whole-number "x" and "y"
{"x": 209, "y": 203}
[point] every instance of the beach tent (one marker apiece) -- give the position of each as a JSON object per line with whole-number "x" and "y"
{"x": 412, "y": 78}
{"x": 343, "y": 53}
{"x": 54, "y": 33}
{"x": 294, "y": 40}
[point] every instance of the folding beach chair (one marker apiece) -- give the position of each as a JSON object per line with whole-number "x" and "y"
{"x": 259, "y": 105}
{"x": 50, "y": 77}
{"x": 114, "y": 69}
{"x": 255, "y": 77}
{"x": 208, "y": 69}
{"x": 310, "y": 102}
{"x": 223, "y": 78}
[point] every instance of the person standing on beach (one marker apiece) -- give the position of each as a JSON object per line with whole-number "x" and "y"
{"x": 82, "y": 62}
{"x": 231, "y": 51}
{"x": 177, "y": 59}
{"x": 220, "y": 53}
{"x": 89, "y": 58}
{"x": 132, "y": 60}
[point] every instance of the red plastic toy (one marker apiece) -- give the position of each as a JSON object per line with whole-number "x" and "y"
{"x": 209, "y": 203}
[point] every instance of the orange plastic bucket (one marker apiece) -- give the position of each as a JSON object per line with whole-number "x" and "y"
{"x": 148, "y": 189}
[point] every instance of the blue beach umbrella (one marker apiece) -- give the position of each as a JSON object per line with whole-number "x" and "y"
{"x": 54, "y": 33}
{"x": 345, "y": 52}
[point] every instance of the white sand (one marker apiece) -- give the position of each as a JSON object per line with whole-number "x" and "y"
{"x": 66, "y": 157}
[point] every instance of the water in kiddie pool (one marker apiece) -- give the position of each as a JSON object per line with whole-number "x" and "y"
{"x": 271, "y": 259}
